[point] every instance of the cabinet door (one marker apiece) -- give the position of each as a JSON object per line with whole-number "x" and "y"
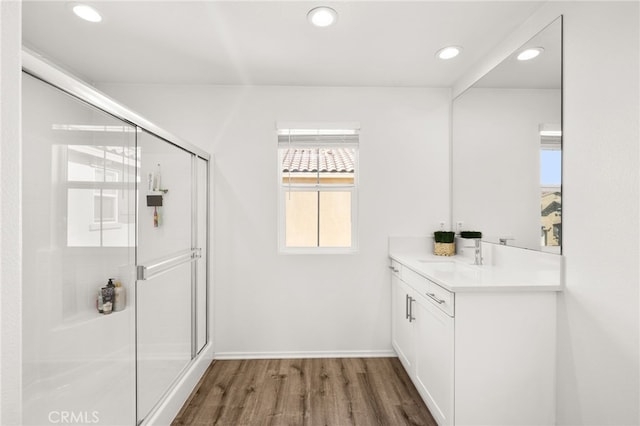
{"x": 402, "y": 328}
{"x": 434, "y": 359}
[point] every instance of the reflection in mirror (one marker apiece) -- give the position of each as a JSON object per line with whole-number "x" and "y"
{"x": 507, "y": 149}
{"x": 550, "y": 188}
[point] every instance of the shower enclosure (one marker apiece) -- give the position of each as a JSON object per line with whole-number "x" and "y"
{"x": 107, "y": 195}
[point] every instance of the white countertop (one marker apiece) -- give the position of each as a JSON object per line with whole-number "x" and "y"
{"x": 457, "y": 274}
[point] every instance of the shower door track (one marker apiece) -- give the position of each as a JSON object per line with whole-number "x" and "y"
{"x": 34, "y": 65}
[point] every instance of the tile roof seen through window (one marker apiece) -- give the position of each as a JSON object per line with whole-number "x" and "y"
{"x": 323, "y": 160}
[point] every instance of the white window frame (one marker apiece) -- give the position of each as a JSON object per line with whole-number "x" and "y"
{"x": 319, "y": 131}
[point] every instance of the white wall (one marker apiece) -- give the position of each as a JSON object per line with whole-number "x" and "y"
{"x": 268, "y": 303}
{"x": 598, "y": 313}
{"x": 599, "y": 352}
{"x": 496, "y": 161}
{"x": 10, "y": 219}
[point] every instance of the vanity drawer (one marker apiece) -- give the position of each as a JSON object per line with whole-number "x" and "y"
{"x": 396, "y": 268}
{"x": 440, "y": 297}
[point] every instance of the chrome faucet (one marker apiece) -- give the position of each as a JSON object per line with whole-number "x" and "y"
{"x": 478, "y": 251}
{"x": 503, "y": 240}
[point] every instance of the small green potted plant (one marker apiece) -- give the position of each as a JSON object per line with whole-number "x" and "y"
{"x": 444, "y": 243}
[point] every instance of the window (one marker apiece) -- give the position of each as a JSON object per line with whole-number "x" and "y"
{"x": 551, "y": 191}
{"x": 317, "y": 175}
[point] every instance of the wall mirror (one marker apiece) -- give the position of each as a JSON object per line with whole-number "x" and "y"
{"x": 507, "y": 148}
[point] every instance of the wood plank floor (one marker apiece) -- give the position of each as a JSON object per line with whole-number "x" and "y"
{"x": 321, "y": 391}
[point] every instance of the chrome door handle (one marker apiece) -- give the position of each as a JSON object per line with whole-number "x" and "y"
{"x": 433, "y": 297}
{"x": 159, "y": 266}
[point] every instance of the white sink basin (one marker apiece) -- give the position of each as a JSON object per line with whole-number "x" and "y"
{"x": 452, "y": 263}
{"x": 448, "y": 267}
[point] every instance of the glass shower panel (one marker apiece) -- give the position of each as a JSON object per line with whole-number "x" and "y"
{"x": 164, "y": 333}
{"x": 165, "y": 256}
{"x": 202, "y": 182}
{"x": 78, "y": 208}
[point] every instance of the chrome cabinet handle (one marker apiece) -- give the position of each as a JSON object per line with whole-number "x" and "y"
{"x": 394, "y": 269}
{"x": 406, "y": 306}
{"x": 433, "y": 297}
{"x": 411, "y": 317}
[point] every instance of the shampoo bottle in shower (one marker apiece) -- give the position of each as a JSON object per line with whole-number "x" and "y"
{"x": 157, "y": 179}
{"x": 120, "y": 298}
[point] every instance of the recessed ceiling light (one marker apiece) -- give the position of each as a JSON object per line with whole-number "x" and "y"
{"x": 448, "y": 52}
{"x": 322, "y": 16}
{"x": 86, "y": 12}
{"x": 530, "y": 53}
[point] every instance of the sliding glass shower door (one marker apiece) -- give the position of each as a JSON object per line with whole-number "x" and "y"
{"x": 165, "y": 257}
{"x": 78, "y": 225}
{"x": 115, "y": 243}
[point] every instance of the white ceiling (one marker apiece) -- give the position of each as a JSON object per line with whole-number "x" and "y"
{"x": 374, "y": 43}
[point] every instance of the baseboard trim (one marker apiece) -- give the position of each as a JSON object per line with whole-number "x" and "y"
{"x": 311, "y": 354}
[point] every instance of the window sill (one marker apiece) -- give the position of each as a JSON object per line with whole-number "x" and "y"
{"x": 318, "y": 250}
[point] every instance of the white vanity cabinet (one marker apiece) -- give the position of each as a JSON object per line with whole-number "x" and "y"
{"x": 402, "y": 325}
{"x": 423, "y": 338}
{"x": 484, "y": 357}
{"x": 434, "y": 359}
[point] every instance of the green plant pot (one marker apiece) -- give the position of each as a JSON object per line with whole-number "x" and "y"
{"x": 444, "y": 236}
